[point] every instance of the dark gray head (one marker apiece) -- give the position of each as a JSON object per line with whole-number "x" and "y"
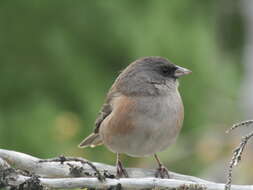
{"x": 141, "y": 75}
{"x": 159, "y": 67}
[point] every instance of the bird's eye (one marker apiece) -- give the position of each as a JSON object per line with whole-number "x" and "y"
{"x": 166, "y": 71}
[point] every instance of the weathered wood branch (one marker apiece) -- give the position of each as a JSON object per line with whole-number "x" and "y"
{"x": 76, "y": 174}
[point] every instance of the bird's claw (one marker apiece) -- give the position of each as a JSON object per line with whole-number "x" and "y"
{"x": 162, "y": 172}
{"x": 121, "y": 171}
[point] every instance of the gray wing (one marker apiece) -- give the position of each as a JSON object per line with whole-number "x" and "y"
{"x": 94, "y": 139}
{"x": 104, "y": 112}
{"x": 106, "y": 108}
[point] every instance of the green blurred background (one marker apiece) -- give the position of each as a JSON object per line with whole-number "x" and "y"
{"x": 58, "y": 59}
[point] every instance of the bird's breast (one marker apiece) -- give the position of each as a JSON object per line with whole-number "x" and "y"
{"x": 144, "y": 125}
{"x": 160, "y": 120}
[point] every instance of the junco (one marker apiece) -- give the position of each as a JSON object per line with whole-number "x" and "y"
{"x": 143, "y": 112}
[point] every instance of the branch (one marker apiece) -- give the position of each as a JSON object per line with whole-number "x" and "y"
{"x": 60, "y": 173}
{"x": 237, "y": 153}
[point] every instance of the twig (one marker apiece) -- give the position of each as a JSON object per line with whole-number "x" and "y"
{"x": 237, "y": 153}
{"x": 63, "y": 159}
{"x": 244, "y": 123}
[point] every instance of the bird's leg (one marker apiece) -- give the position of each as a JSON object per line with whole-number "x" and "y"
{"x": 121, "y": 171}
{"x": 162, "y": 171}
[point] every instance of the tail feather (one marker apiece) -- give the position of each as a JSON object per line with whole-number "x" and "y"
{"x": 92, "y": 140}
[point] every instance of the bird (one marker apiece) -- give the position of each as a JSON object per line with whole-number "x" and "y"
{"x": 143, "y": 112}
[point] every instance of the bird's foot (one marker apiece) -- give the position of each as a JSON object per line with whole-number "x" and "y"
{"x": 121, "y": 171}
{"x": 162, "y": 172}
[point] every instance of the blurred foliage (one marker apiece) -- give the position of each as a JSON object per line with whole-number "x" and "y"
{"x": 58, "y": 59}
